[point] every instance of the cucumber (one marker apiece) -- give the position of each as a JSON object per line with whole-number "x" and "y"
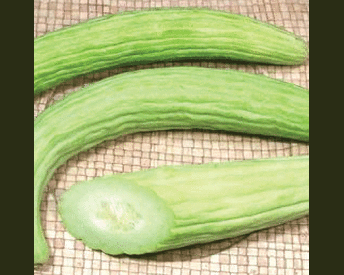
{"x": 176, "y": 206}
{"x": 165, "y": 35}
{"x": 162, "y": 99}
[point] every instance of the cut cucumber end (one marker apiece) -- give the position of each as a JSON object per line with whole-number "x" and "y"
{"x": 117, "y": 217}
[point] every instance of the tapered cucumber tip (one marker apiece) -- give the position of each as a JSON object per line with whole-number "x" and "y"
{"x": 116, "y": 216}
{"x": 41, "y": 253}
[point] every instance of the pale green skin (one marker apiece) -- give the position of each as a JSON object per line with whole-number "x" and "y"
{"x": 166, "y": 35}
{"x": 162, "y": 99}
{"x": 172, "y": 207}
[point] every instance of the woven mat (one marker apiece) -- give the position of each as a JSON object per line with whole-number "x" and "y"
{"x": 279, "y": 250}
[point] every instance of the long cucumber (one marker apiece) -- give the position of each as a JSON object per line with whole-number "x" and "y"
{"x": 165, "y": 35}
{"x": 175, "y": 206}
{"x": 162, "y": 99}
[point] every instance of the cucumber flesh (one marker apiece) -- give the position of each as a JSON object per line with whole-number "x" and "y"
{"x": 118, "y": 217}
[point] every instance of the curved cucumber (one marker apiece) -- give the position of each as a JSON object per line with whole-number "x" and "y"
{"x": 172, "y": 207}
{"x": 143, "y": 37}
{"x": 162, "y": 99}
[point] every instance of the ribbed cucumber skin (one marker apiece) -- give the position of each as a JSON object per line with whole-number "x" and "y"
{"x": 209, "y": 202}
{"x": 164, "y": 35}
{"x": 162, "y": 99}
{"x": 219, "y": 201}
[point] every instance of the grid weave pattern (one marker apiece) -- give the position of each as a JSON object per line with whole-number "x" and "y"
{"x": 279, "y": 250}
